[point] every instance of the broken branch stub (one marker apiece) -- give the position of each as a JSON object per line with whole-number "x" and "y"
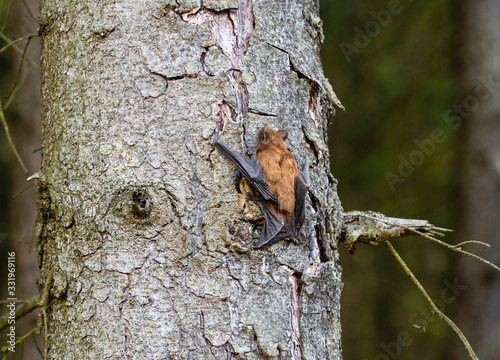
{"x": 372, "y": 228}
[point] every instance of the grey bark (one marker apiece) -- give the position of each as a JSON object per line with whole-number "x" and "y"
{"x": 139, "y": 224}
{"x": 477, "y": 310}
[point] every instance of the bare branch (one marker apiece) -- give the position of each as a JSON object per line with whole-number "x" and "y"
{"x": 435, "y": 309}
{"x": 458, "y": 248}
{"x": 16, "y": 48}
{"x": 20, "y": 339}
{"x": 13, "y": 42}
{"x": 9, "y": 139}
{"x": 21, "y": 311}
{"x": 372, "y": 228}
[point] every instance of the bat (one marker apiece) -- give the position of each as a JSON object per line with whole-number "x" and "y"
{"x": 281, "y": 188}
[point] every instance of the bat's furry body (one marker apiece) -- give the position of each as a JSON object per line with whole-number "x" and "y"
{"x": 281, "y": 187}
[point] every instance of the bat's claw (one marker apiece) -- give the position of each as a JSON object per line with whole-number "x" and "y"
{"x": 262, "y": 200}
{"x": 214, "y": 138}
{"x": 254, "y": 198}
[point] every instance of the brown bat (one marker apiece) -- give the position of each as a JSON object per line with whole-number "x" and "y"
{"x": 274, "y": 175}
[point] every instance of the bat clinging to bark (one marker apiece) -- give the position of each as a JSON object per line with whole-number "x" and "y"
{"x": 274, "y": 175}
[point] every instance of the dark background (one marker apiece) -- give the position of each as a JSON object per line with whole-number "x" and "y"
{"x": 398, "y": 85}
{"x": 395, "y": 91}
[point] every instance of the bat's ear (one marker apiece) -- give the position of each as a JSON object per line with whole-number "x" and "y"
{"x": 262, "y": 135}
{"x": 283, "y": 134}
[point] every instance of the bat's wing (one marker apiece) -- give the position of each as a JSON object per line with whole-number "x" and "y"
{"x": 250, "y": 169}
{"x": 274, "y": 225}
{"x": 301, "y": 190}
{"x": 275, "y": 228}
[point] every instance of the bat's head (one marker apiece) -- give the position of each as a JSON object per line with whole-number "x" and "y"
{"x": 266, "y": 134}
{"x": 272, "y": 140}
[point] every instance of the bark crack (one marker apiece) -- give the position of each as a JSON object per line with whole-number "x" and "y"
{"x": 314, "y": 87}
{"x": 312, "y": 144}
{"x": 261, "y": 113}
{"x": 315, "y": 203}
{"x": 313, "y": 103}
{"x": 126, "y": 327}
{"x": 320, "y": 83}
{"x": 202, "y": 326}
{"x": 178, "y": 77}
{"x": 231, "y": 28}
{"x": 260, "y": 350}
{"x": 231, "y": 31}
{"x": 282, "y": 50}
{"x": 240, "y": 91}
{"x": 165, "y": 77}
{"x": 295, "y": 315}
{"x": 321, "y": 248}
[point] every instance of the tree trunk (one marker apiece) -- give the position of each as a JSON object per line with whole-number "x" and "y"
{"x": 478, "y": 313}
{"x": 140, "y": 232}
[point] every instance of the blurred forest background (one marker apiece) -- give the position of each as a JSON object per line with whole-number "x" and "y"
{"x": 407, "y": 71}
{"x": 419, "y": 81}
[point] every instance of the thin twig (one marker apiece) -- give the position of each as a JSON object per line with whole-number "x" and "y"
{"x": 20, "y": 339}
{"x": 21, "y": 311}
{"x": 32, "y": 63}
{"x": 471, "y": 242}
{"x": 9, "y": 139}
{"x": 14, "y": 87}
{"x": 13, "y": 42}
{"x": 37, "y": 347}
{"x": 7, "y": 14}
{"x": 429, "y": 300}
{"x": 42, "y": 315}
{"x": 20, "y": 192}
{"x": 29, "y": 11}
{"x": 457, "y": 248}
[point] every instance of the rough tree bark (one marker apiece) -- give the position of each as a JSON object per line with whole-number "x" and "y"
{"x": 139, "y": 217}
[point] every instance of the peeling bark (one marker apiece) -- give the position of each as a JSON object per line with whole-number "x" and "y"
{"x": 295, "y": 316}
{"x": 139, "y": 220}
